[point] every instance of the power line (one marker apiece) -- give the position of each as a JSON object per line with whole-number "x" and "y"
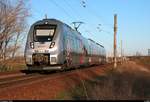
{"x": 98, "y": 28}
{"x": 89, "y": 32}
{"x": 56, "y": 4}
{"x": 97, "y": 16}
{"x": 75, "y": 12}
{"x": 73, "y": 9}
{"x": 84, "y": 4}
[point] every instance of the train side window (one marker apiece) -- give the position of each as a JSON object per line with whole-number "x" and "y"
{"x": 74, "y": 42}
{"x": 65, "y": 42}
{"x": 71, "y": 43}
{"x": 90, "y": 49}
{"x": 78, "y": 45}
{"x": 75, "y": 45}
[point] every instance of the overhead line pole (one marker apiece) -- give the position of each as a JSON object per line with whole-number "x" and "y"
{"x": 115, "y": 40}
{"x": 121, "y": 53}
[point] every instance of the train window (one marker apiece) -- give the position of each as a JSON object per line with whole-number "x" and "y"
{"x": 78, "y": 46}
{"x": 44, "y": 33}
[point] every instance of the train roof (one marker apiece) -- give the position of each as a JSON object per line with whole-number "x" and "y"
{"x": 100, "y": 45}
{"x": 95, "y": 42}
{"x": 57, "y": 21}
{"x": 46, "y": 21}
{"x": 92, "y": 40}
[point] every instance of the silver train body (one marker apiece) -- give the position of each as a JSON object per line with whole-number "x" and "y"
{"x": 53, "y": 45}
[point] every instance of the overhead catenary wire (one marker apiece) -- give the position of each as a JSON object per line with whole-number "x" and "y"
{"x": 61, "y": 8}
{"x": 73, "y": 9}
{"x": 98, "y": 17}
{"x": 90, "y": 9}
{"x": 68, "y": 14}
{"x": 100, "y": 30}
{"x": 92, "y": 12}
{"x": 76, "y": 14}
{"x": 89, "y": 32}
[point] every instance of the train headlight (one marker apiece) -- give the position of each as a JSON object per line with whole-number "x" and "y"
{"x": 32, "y": 45}
{"x": 53, "y": 59}
{"x": 29, "y": 60}
{"x": 52, "y": 44}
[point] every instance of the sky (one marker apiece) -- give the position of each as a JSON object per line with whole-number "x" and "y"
{"x": 133, "y": 20}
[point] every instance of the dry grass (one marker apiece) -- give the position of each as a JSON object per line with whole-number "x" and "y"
{"x": 115, "y": 87}
{"x": 127, "y": 82}
{"x": 17, "y": 63}
{"x": 118, "y": 86}
{"x": 145, "y": 61}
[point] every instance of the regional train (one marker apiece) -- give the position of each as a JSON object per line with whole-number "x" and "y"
{"x": 53, "y": 45}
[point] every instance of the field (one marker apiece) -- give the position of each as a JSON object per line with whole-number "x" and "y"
{"x": 145, "y": 61}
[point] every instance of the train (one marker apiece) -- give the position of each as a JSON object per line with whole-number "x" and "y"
{"x": 54, "y": 45}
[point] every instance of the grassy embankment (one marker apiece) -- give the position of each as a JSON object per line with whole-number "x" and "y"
{"x": 127, "y": 82}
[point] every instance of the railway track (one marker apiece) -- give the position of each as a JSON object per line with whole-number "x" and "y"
{"x": 10, "y": 74}
{"x": 18, "y": 80}
{"x": 23, "y": 79}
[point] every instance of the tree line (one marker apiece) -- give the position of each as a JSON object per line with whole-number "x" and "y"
{"x": 13, "y": 22}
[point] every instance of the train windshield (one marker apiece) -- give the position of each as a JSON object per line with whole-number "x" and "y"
{"x": 44, "y": 33}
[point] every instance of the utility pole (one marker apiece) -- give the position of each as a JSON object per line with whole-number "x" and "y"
{"x": 148, "y": 52}
{"x": 115, "y": 40}
{"x": 121, "y": 53}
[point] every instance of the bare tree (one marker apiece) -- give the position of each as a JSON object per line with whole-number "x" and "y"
{"x": 12, "y": 25}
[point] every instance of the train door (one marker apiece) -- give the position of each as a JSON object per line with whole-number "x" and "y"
{"x": 83, "y": 53}
{"x": 74, "y": 52}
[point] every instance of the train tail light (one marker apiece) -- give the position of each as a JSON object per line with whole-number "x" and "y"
{"x": 32, "y": 45}
{"x": 52, "y": 44}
